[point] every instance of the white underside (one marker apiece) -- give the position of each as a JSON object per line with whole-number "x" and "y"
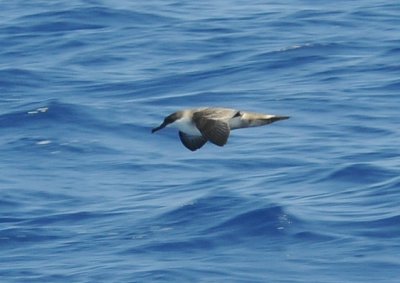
{"x": 235, "y": 123}
{"x": 186, "y": 125}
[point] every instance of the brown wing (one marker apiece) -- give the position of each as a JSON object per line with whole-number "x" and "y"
{"x": 222, "y": 114}
{"x": 192, "y": 142}
{"x": 215, "y": 131}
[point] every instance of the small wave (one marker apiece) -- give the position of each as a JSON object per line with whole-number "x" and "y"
{"x": 204, "y": 210}
{"x": 220, "y": 217}
{"x": 54, "y": 113}
{"x": 383, "y": 227}
{"x": 55, "y": 127}
{"x": 76, "y": 19}
{"x": 364, "y": 130}
{"x": 14, "y": 236}
{"x": 313, "y": 236}
{"x": 54, "y": 146}
{"x": 260, "y": 222}
{"x": 395, "y": 51}
{"x": 387, "y": 187}
{"x": 173, "y": 274}
{"x": 188, "y": 246}
{"x": 214, "y": 221}
{"x": 74, "y": 217}
{"x": 11, "y": 78}
{"x": 363, "y": 173}
{"x": 306, "y": 49}
{"x": 392, "y": 86}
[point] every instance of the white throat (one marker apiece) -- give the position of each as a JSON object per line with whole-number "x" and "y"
{"x": 186, "y": 125}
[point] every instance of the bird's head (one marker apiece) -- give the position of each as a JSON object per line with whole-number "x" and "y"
{"x": 167, "y": 121}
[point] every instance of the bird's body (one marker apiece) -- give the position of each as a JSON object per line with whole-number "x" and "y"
{"x": 186, "y": 125}
{"x": 197, "y": 126}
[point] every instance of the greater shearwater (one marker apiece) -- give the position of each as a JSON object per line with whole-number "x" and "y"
{"x": 197, "y": 126}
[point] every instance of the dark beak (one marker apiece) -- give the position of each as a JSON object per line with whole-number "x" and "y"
{"x": 159, "y": 127}
{"x": 278, "y": 118}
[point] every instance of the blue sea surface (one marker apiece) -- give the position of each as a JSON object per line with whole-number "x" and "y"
{"x": 88, "y": 194}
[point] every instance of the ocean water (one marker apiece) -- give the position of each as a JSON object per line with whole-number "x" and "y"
{"x": 88, "y": 194}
